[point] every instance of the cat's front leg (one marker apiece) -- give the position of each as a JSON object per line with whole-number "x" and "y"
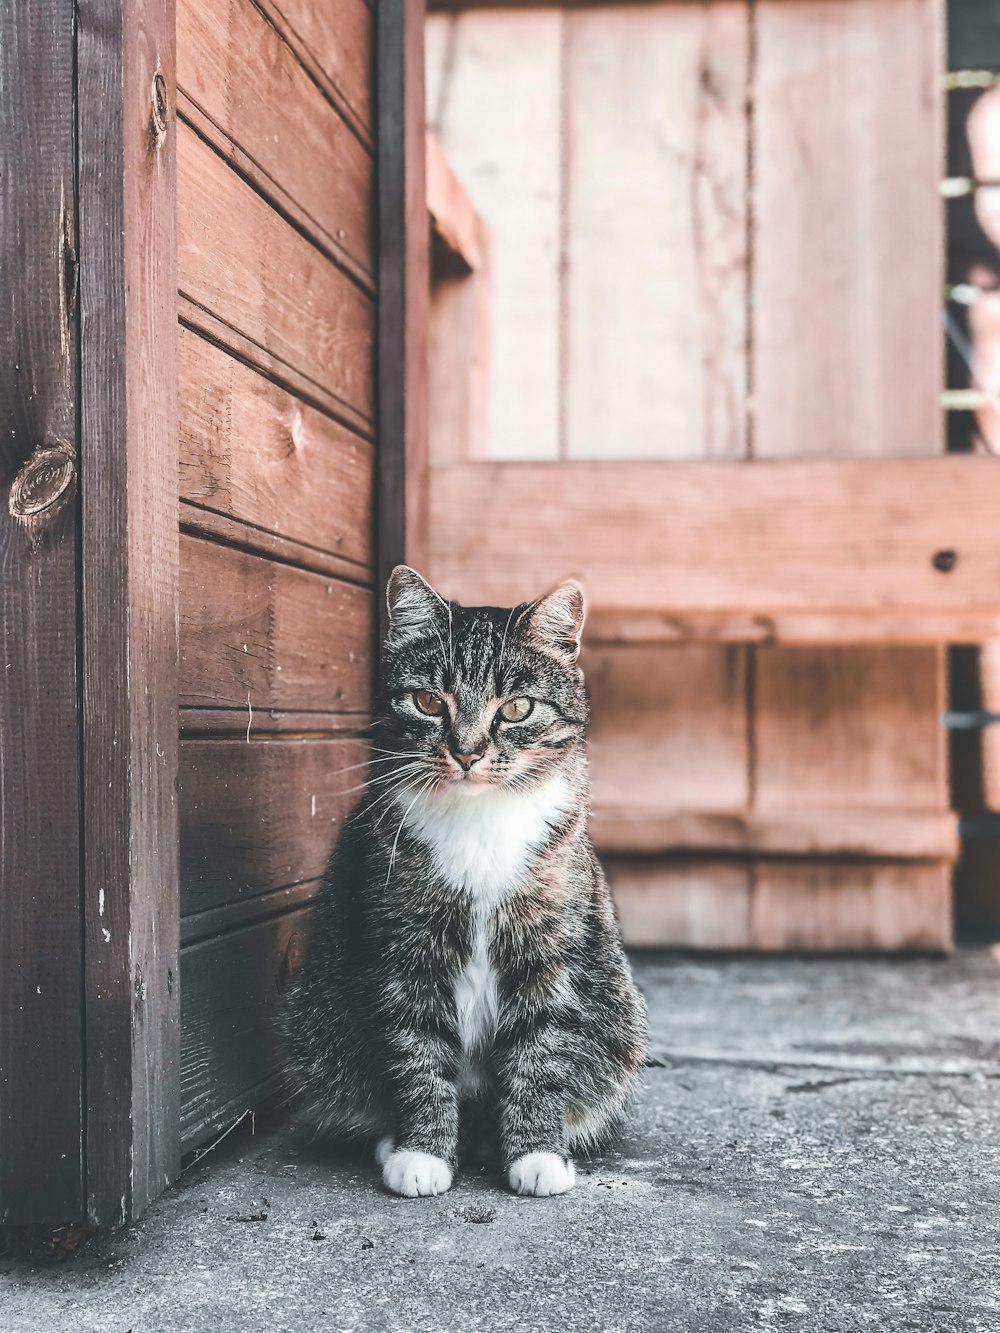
{"x": 532, "y": 1112}
{"x": 421, "y": 1159}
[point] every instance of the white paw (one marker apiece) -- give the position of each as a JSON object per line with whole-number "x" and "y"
{"x": 541, "y": 1173}
{"x": 415, "y": 1173}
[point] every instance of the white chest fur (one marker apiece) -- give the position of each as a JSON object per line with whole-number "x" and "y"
{"x": 482, "y": 840}
{"x": 481, "y": 844}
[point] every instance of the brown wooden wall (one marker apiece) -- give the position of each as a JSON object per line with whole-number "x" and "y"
{"x": 714, "y": 234}
{"x": 276, "y": 182}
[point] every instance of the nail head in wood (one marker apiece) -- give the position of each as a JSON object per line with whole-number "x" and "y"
{"x": 944, "y": 561}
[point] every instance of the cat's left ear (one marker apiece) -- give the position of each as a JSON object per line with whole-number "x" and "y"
{"x": 555, "y": 622}
{"x": 414, "y": 607}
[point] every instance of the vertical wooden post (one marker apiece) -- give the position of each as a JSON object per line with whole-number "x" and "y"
{"x": 403, "y": 287}
{"x": 128, "y": 473}
{"x": 40, "y": 985}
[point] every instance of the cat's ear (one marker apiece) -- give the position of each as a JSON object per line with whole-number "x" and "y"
{"x": 555, "y": 622}
{"x": 414, "y": 606}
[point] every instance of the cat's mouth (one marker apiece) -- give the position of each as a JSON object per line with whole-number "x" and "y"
{"x": 471, "y": 781}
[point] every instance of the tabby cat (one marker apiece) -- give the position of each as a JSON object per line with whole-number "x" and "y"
{"x": 466, "y": 970}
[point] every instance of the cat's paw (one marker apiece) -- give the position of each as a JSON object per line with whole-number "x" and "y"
{"x": 541, "y": 1173}
{"x": 416, "y": 1174}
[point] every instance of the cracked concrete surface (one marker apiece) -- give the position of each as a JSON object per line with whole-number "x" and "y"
{"x": 815, "y": 1148}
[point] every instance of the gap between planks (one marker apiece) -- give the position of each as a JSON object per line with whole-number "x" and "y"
{"x": 203, "y": 323}
{"x": 216, "y": 922}
{"x": 197, "y": 723}
{"x": 237, "y": 534}
{"x": 284, "y": 204}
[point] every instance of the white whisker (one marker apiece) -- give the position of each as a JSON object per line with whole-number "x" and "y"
{"x": 392, "y": 854}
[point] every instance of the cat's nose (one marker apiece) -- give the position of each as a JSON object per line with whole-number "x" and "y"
{"x": 467, "y": 760}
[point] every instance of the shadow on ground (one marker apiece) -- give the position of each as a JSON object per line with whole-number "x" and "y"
{"x": 815, "y": 1148}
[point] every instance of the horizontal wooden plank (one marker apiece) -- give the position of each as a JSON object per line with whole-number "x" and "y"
{"x": 259, "y": 635}
{"x": 261, "y": 816}
{"x": 253, "y": 451}
{"x": 242, "y": 86}
{"x": 242, "y": 262}
{"x": 913, "y": 539}
{"x": 335, "y": 42}
{"x": 825, "y": 627}
{"x": 826, "y": 906}
{"x": 897, "y": 834}
{"x": 231, "y": 988}
{"x": 880, "y": 906}
{"x": 701, "y": 904}
{"x": 269, "y": 722}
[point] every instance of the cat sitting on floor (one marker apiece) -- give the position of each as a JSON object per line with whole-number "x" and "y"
{"x": 466, "y": 971}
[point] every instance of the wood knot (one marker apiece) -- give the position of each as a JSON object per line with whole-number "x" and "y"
{"x": 160, "y": 114}
{"x": 46, "y": 479}
{"x": 944, "y": 561}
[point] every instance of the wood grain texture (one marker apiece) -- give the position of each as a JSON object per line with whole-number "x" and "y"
{"x": 656, "y": 230}
{"x": 847, "y": 233}
{"x": 259, "y": 817}
{"x": 335, "y": 42}
{"x": 822, "y": 906}
{"x": 497, "y": 116}
{"x": 232, "y": 990}
{"x": 243, "y": 263}
{"x": 404, "y": 287}
{"x": 259, "y": 635}
{"x": 128, "y": 460}
{"x": 640, "y": 826}
{"x": 810, "y": 536}
{"x": 244, "y": 89}
{"x": 696, "y": 904}
{"x": 668, "y": 727}
{"x": 253, "y": 451}
{"x": 851, "y": 729}
{"x": 781, "y": 905}
{"x": 41, "y": 1019}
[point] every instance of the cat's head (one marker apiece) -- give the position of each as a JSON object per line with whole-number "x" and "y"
{"x": 480, "y": 698}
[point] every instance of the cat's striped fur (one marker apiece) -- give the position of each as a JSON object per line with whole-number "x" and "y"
{"x": 466, "y": 971}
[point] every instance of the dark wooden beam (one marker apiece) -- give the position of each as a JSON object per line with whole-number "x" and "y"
{"x": 128, "y": 478}
{"x": 403, "y": 288}
{"x": 41, "y": 1132}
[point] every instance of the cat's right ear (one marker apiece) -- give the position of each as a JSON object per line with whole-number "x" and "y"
{"x": 414, "y": 607}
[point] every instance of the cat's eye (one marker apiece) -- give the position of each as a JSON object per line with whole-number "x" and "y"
{"x": 428, "y": 702}
{"x": 516, "y": 710}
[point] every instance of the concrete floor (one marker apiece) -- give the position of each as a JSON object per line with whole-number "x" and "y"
{"x": 816, "y": 1149}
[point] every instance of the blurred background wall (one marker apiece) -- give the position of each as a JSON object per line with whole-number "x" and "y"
{"x": 712, "y": 232}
